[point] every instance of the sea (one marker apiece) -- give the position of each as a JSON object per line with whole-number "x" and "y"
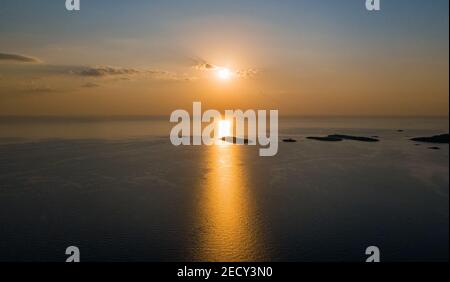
{"x": 116, "y": 188}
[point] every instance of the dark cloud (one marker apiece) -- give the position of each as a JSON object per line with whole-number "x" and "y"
{"x": 108, "y": 71}
{"x": 15, "y": 58}
{"x": 205, "y": 67}
{"x": 90, "y": 85}
{"x": 129, "y": 73}
{"x": 94, "y": 73}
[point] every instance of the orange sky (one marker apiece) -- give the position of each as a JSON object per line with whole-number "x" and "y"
{"x": 332, "y": 62}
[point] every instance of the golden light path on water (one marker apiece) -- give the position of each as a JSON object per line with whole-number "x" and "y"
{"x": 228, "y": 223}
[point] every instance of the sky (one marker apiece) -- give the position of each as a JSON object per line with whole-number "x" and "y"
{"x": 301, "y": 57}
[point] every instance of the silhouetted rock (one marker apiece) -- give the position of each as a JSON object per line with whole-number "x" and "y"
{"x": 434, "y": 148}
{"x": 340, "y": 137}
{"x": 438, "y": 139}
{"x": 235, "y": 140}
{"x": 354, "y": 138}
{"x": 326, "y": 139}
{"x": 289, "y": 140}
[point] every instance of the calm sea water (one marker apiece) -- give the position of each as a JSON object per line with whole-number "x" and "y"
{"x": 118, "y": 190}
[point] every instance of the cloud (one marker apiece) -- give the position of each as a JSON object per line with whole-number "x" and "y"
{"x": 90, "y": 85}
{"x": 204, "y": 66}
{"x": 37, "y": 87}
{"x": 129, "y": 73}
{"x": 89, "y": 75}
{"x": 248, "y": 73}
{"x": 102, "y": 71}
{"x": 43, "y": 89}
{"x": 15, "y": 58}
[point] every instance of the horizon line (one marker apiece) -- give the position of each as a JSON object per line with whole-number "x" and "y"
{"x": 164, "y": 116}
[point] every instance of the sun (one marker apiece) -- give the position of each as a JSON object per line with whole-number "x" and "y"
{"x": 224, "y": 74}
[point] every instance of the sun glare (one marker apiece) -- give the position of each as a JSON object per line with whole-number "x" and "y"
{"x": 224, "y": 74}
{"x": 224, "y": 129}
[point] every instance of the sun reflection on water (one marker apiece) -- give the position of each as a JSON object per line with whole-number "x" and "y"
{"x": 227, "y": 220}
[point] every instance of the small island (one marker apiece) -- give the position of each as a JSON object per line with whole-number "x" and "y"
{"x": 326, "y": 139}
{"x": 289, "y": 140}
{"x": 235, "y": 140}
{"x": 341, "y": 137}
{"x": 437, "y": 139}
